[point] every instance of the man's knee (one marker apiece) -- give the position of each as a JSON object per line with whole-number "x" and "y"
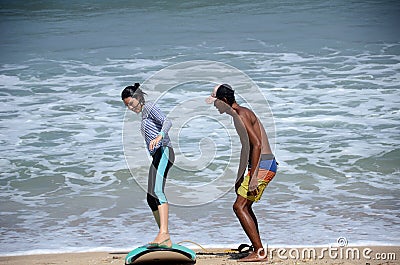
{"x": 238, "y": 207}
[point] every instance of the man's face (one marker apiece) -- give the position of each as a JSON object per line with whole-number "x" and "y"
{"x": 221, "y": 106}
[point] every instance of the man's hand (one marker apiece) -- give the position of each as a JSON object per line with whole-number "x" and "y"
{"x": 253, "y": 187}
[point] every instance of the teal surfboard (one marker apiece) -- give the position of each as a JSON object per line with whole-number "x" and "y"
{"x": 175, "y": 254}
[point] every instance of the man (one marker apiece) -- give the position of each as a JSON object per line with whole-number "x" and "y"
{"x": 262, "y": 165}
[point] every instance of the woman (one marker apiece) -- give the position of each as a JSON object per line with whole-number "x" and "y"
{"x": 154, "y": 128}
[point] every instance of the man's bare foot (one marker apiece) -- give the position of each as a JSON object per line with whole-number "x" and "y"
{"x": 254, "y": 257}
{"x": 162, "y": 240}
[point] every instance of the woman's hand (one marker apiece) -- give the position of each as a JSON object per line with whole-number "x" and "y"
{"x": 154, "y": 142}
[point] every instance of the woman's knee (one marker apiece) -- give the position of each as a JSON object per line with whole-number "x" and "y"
{"x": 152, "y": 202}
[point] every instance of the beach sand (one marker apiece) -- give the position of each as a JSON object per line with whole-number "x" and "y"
{"x": 282, "y": 256}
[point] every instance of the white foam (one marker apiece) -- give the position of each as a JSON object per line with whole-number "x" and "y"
{"x": 334, "y": 116}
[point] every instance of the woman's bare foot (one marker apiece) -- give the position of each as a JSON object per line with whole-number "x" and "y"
{"x": 162, "y": 240}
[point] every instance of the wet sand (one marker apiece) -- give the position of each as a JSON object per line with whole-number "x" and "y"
{"x": 369, "y": 255}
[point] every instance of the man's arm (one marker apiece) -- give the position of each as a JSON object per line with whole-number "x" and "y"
{"x": 253, "y": 131}
{"x": 245, "y": 150}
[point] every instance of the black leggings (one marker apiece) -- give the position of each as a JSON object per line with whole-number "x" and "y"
{"x": 163, "y": 159}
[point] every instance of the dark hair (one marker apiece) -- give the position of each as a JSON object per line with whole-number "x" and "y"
{"x": 226, "y": 91}
{"x": 134, "y": 92}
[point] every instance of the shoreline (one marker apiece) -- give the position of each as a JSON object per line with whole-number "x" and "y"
{"x": 189, "y": 244}
{"x": 376, "y": 254}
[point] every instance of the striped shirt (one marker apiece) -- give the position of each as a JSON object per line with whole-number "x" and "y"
{"x": 154, "y": 123}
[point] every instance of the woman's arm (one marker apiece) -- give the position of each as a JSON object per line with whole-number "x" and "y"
{"x": 159, "y": 118}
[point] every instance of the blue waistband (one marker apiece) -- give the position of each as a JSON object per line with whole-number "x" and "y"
{"x": 269, "y": 165}
{"x": 267, "y": 162}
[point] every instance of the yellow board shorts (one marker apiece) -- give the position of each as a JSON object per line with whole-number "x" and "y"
{"x": 264, "y": 177}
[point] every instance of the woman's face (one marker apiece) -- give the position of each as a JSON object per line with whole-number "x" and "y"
{"x": 133, "y": 104}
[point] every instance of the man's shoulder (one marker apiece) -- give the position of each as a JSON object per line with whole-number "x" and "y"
{"x": 245, "y": 113}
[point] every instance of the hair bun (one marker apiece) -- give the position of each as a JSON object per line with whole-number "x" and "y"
{"x": 137, "y": 85}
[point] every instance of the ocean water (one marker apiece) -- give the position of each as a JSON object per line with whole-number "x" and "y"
{"x": 329, "y": 70}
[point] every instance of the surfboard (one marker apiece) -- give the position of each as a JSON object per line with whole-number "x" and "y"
{"x": 176, "y": 254}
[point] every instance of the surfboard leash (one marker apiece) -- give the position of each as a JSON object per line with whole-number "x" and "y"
{"x": 243, "y": 248}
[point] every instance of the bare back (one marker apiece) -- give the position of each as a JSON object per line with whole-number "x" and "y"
{"x": 252, "y": 123}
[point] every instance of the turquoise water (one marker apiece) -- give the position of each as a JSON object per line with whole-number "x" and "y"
{"x": 330, "y": 71}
